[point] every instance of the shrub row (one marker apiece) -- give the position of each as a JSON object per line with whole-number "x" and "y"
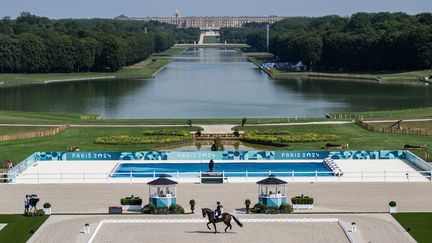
{"x": 152, "y": 209}
{"x": 261, "y": 208}
{"x": 166, "y": 132}
{"x": 268, "y": 132}
{"x": 131, "y": 200}
{"x": 128, "y": 140}
{"x": 283, "y": 139}
{"x": 302, "y": 200}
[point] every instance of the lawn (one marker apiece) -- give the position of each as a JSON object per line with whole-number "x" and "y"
{"x": 18, "y": 78}
{"x": 20, "y": 117}
{"x": 357, "y": 137}
{"x": 418, "y": 225}
{"x": 19, "y": 227}
{"x": 174, "y": 51}
{"x": 383, "y": 76}
{"x": 392, "y": 114}
{"x": 415, "y": 124}
{"x": 147, "y": 70}
{"x": 18, "y": 150}
{"x": 138, "y": 70}
{"x": 15, "y": 130}
{"x": 210, "y": 39}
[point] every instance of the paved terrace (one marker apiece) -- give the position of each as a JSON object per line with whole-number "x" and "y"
{"x": 329, "y": 197}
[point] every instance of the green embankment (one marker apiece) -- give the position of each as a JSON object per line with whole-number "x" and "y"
{"x": 418, "y": 225}
{"x": 147, "y": 70}
{"x": 174, "y": 51}
{"x": 418, "y": 113}
{"x": 19, "y": 117}
{"x": 408, "y": 76}
{"x": 357, "y": 137}
{"x": 19, "y": 227}
{"x": 14, "y": 130}
{"x": 17, "y": 150}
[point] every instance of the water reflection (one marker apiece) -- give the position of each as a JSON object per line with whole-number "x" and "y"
{"x": 212, "y": 83}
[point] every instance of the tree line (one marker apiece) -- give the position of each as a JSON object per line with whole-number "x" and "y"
{"x": 361, "y": 42}
{"x": 31, "y": 44}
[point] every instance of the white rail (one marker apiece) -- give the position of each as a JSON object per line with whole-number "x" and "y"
{"x": 195, "y": 177}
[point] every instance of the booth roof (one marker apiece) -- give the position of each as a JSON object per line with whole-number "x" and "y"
{"x": 271, "y": 181}
{"x": 162, "y": 181}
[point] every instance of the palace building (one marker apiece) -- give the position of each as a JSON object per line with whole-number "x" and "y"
{"x": 206, "y": 22}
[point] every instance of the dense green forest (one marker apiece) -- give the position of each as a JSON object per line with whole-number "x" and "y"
{"x": 32, "y": 44}
{"x": 362, "y": 42}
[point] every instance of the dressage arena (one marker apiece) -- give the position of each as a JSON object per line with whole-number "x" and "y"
{"x": 288, "y": 228}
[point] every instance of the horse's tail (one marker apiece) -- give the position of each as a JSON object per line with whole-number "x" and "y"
{"x": 237, "y": 221}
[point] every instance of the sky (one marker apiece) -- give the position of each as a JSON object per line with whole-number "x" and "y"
{"x": 138, "y": 8}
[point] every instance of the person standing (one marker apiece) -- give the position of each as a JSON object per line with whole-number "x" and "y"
{"x": 211, "y": 166}
{"x": 33, "y": 203}
{"x": 26, "y": 204}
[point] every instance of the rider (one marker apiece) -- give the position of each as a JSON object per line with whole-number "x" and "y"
{"x": 218, "y": 211}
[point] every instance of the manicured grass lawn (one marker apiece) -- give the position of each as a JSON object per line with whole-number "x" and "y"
{"x": 209, "y": 39}
{"x": 355, "y": 136}
{"x": 19, "y": 117}
{"x": 171, "y": 52}
{"x": 10, "y": 78}
{"x": 37, "y": 117}
{"x": 385, "y": 75}
{"x": 15, "y": 130}
{"x": 419, "y": 225}
{"x": 146, "y": 71}
{"x": 417, "y": 124}
{"x": 18, "y": 150}
{"x": 18, "y": 227}
{"x": 392, "y": 114}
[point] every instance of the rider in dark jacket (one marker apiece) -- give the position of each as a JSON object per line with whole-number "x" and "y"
{"x": 211, "y": 166}
{"x": 218, "y": 211}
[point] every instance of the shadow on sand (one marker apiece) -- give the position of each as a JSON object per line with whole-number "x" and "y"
{"x": 207, "y": 232}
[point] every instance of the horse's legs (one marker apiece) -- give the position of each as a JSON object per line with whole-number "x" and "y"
{"x": 228, "y": 226}
{"x": 214, "y": 224}
{"x": 208, "y": 225}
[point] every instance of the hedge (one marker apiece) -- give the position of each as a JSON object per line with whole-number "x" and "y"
{"x": 131, "y": 200}
{"x": 165, "y": 132}
{"x": 152, "y": 209}
{"x": 302, "y": 200}
{"x": 264, "y": 209}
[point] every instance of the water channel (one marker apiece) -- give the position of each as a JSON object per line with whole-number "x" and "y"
{"x": 204, "y": 83}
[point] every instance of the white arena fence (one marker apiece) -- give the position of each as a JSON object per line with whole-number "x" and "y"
{"x": 228, "y": 177}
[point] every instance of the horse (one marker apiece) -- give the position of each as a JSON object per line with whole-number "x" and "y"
{"x": 226, "y": 218}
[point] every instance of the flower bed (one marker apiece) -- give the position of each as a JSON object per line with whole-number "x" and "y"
{"x": 283, "y": 139}
{"x": 130, "y": 140}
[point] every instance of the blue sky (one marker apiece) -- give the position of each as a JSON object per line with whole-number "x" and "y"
{"x": 112, "y": 8}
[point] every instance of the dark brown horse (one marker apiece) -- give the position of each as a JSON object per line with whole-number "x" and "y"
{"x": 226, "y": 218}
